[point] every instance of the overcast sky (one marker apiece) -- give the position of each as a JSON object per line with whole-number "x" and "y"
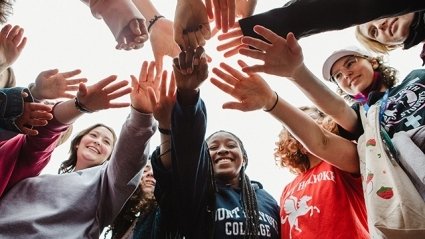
{"x": 64, "y": 35}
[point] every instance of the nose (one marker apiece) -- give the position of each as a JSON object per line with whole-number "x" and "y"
{"x": 222, "y": 151}
{"x": 97, "y": 142}
{"x": 382, "y": 25}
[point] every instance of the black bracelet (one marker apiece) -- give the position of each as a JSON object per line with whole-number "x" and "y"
{"x": 153, "y": 20}
{"x": 275, "y": 103}
{"x": 80, "y": 107}
{"x": 164, "y": 131}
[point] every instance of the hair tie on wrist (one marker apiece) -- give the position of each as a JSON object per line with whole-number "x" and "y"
{"x": 153, "y": 20}
{"x": 275, "y": 103}
{"x": 164, "y": 131}
{"x": 80, "y": 107}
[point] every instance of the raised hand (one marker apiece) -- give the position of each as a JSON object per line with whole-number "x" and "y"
{"x": 190, "y": 69}
{"x": 145, "y": 89}
{"x": 251, "y": 91}
{"x": 233, "y": 42}
{"x": 100, "y": 95}
{"x": 133, "y": 35}
{"x": 164, "y": 105}
{"x": 35, "y": 114}
{"x": 162, "y": 42}
{"x": 281, "y": 57}
{"x": 191, "y": 25}
{"x": 224, "y": 13}
{"x": 12, "y": 42}
{"x": 51, "y": 84}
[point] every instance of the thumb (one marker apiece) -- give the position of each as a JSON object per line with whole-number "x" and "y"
{"x": 135, "y": 27}
{"x": 82, "y": 90}
{"x": 293, "y": 45}
{"x": 50, "y": 73}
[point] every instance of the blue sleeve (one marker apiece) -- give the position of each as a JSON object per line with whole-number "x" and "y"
{"x": 308, "y": 17}
{"x": 12, "y": 106}
{"x": 185, "y": 186}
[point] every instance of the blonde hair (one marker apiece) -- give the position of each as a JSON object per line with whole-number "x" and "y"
{"x": 288, "y": 152}
{"x": 373, "y": 45}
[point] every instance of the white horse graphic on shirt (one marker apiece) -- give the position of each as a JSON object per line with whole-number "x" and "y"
{"x": 293, "y": 212}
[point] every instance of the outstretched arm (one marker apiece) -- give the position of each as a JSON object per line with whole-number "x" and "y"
{"x": 283, "y": 57}
{"x": 253, "y": 93}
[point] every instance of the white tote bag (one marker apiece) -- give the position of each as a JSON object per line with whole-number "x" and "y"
{"x": 395, "y": 209}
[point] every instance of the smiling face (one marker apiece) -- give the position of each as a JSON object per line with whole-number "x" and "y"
{"x": 388, "y": 31}
{"x": 94, "y": 148}
{"x": 148, "y": 182}
{"x": 353, "y": 74}
{"x": 227, "y": 157}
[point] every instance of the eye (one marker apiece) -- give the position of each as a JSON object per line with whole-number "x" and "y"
{"x": 213, "y": 147}
{"x": 107, "y": 142}
{"x": 232, "y": 145}
{"x": 373, "y": 32}
{"x": 351, "y": 61}
{"x": 337, "y": 76}
{"x": 93, "y": 135}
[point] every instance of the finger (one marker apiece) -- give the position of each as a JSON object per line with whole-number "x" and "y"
{"x": 189, "y": 60}
{"x": 158, "y": 65}
{"x": 138, "y": 45}
{"x": 205, "y": 30}
{"x": 114, "y": 87}
{"x": 134, "y": 83}
{"x": 22, "y": 44}
{"x": 225, "y": 77}
{"x": 29, "y": 131}
{"x": 199, "y": 38}
{"x": 178, "y": 37}
{"x": 18, "y": 37}
{"x": 193, "y": 42}
{"x": 71, "y": 73}
{"x": 152, "y": 96}
{"x": 163, "y": 87}
{"x": 293, "y": 44}
{"x": 214, "y": 31}
{"x": 232, "y": 10}
{"x": 217, "y": 14}
{"x": 119, "y": 93}
{"x": 50, "y": 73}
{"x": 82, "y": 90}
{"x": 230, "y": 44}
{"x": 13, "y": 32}
{"x": 103, "y": 83}
{"x": 266, "y": 33}
{"x": 252, "y": 53}
{"x": 224, "y": 15}
{"x": 254, "y": 68}
{"x": 39, "y": 107}
{"x": 234, "y": 105}
{"x": 256, "y": 43}
{"x": 199, "y": 52}
{"x": 209, "y": 59}
{"x": 186, "y": 41}
{"x": 233, "y": 51}
{"x": 41, "y": 115}
{"x": 235, "y": 73}
{"x": 151, "y": 72}
{"x": 144, "y": 31}
{"x": 203, "y": 68}
{"x": 135, "y": 27}
{"x": 221, "y": 85}
{"x": 4, "y": 32}
{"x": 143, "y": 72}
{"x": 73, "y": 82}
{"x": 172, "y": 86}
{"x": 209, "y": 8}
{"x": 37, "y": 122}
{"x": 230, "y": 35}
{"x": 182, "y": 62}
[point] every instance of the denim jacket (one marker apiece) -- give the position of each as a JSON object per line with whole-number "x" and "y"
{"x": 12, "y": 106}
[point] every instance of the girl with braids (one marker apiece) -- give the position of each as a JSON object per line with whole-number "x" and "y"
{"x": 202, "y": 189}
{"x": 326, "y": 197}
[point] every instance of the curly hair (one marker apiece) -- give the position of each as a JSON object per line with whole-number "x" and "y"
{"x": 68, "y": 165}
{"x": 137, "y": 206}
{"x": 5, "y": 10}
{"x": 386, "y": 73}
{"x": 288, "y": 152}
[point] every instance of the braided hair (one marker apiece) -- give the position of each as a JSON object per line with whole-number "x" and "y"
{"x": 249, "y": 198}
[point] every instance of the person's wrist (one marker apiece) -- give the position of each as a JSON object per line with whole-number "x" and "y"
{"x": 153, "y": 20}
{"x": 272, "y": 102}
{"x": 34, "y": 92}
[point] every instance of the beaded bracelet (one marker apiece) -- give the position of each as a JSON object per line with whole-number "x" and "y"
{"x": 80, "y": 107}
{"x": 275, "y": 103}
{"x": 153, "y": 20}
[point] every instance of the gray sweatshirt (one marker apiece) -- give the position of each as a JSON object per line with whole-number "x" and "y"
{"x": 82, "y": 203}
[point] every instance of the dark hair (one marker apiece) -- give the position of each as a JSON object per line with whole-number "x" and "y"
{"x": 289, "y": 150}
{"x": 68, "y": 165}
{"x": 249, "y": 198}
{"x": 5, "y": 10}
{"x": 387, "y": 74}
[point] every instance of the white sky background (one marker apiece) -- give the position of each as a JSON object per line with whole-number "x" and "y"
{"x": 64, "y": 35}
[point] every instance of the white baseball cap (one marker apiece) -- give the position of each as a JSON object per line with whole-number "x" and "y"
{"x": 336, "y": 55}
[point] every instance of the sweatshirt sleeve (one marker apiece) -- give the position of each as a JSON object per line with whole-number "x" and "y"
{"x": 116, "y": 13}
{"x": 308, "y": 17}
{"x": 124, "y": 170}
